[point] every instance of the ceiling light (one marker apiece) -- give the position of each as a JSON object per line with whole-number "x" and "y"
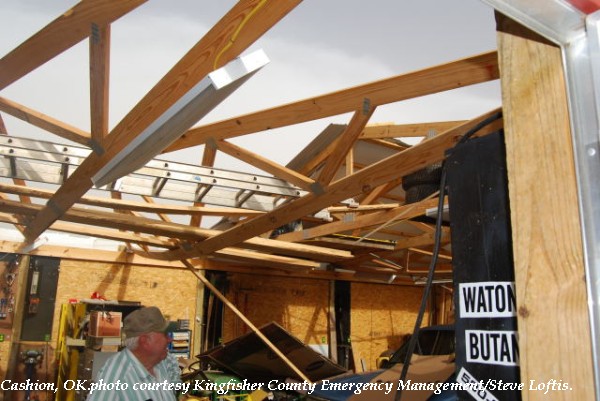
{"x": 181, "y": 116}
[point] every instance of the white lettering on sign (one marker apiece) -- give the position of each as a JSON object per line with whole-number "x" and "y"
{"x": 492, "y": 347}
{"x": 475, "y": 387}
{"x": 487, "y": 299}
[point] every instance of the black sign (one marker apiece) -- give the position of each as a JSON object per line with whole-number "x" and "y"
{"x": 487, "y": 347}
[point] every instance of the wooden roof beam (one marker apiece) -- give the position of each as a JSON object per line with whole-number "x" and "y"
{"x": 22, "y": 190}
{"x": 99, "y": 255}
{"x": 99, "y": 81}
{"x": 174, "y": 230}
{"x": 128, "y": 258}
{"x": 379, "y": 192}
{"x": 422, "y": 240}
{"x": 304, "y": 162}
{"x": 346, "y": 142}
{"x": 240, "y": 255}
{"x": 45, "y": 122}
{"x": 235, "y": 32}
{"x": 265, "y": 259}
{"x": 382, "y": 131}
{"x": 64, "y": 32}
{"x": 264, "y": 164}
{"x": 456, "y": 74}
{"x": 363, "y": 221}
{"x": 96, "y": 232}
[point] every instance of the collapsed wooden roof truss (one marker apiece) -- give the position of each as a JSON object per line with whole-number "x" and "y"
{"x": 356, "y": 223}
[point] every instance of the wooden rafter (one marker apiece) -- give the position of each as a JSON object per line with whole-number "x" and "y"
{"x": 361, "y": 222}
{"x": 264, "y": 164}
{"x": 99, "y": 80}
{"x": 469, "y": 71}
{"x": 104, "y": 233}
{"x": 45, "y": 122}
{"x": 359, "y": 120}
{"x": 421, "y": 240}
{"x": 362, "y": 208}
{"x": 238, "y": 255}
{"x": 128, "y": 258}
{"x": 380, "y": 191}
{"x": 174, "y": 230}
{"x": 380, "y": 131}
{"x": 312, "y": 165}
{"x": 134, "y": 206}
{"x": 317, "y": 150}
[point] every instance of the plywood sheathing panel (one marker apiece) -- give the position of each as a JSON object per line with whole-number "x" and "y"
{"x": 173, "y": 291}
{"x": 381, "y": 316}
{"x": 299, "y": 305}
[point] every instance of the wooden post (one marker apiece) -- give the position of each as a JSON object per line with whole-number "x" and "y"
{"x": 332, "y": 324}
{"x": 235, "y": 310}
{"x": 553, "y": 320}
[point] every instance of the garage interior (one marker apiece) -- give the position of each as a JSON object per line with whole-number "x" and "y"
{"x": 335, "y": 246}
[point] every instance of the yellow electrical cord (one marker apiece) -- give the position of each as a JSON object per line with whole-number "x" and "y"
{"x": 237, "y": 32}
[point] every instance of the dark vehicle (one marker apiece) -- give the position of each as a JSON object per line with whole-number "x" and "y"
{"x": 432, "y": 340}
{"x": 432, "y": 362}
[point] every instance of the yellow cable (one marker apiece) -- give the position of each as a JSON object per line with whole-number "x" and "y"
{"x": 237, "y": 32}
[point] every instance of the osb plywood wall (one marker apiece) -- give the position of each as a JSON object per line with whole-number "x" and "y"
{"x": 173, "y": 291}
{"x": 299, "y": 305}
{"x": 4, "y": 355}
{"x": 444, "y": 304}
{"x": 381, "y": 316}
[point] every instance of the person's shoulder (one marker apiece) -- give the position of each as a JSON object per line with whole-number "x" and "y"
{"x": 118, "y": 356}
{"x": 114, "y": 363}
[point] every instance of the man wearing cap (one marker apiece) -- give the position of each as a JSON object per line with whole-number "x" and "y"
{"x": 144, "y": 370}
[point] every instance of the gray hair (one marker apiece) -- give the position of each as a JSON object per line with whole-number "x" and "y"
{"x": 131, "y": 343}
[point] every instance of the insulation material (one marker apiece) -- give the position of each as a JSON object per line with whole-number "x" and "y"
{"x": 381, "y": 316}
{"x": 299, "y": 305}
{"x": 173, "y": 291}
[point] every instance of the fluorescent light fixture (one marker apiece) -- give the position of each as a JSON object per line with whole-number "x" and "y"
{"x": 181, "y": 116}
